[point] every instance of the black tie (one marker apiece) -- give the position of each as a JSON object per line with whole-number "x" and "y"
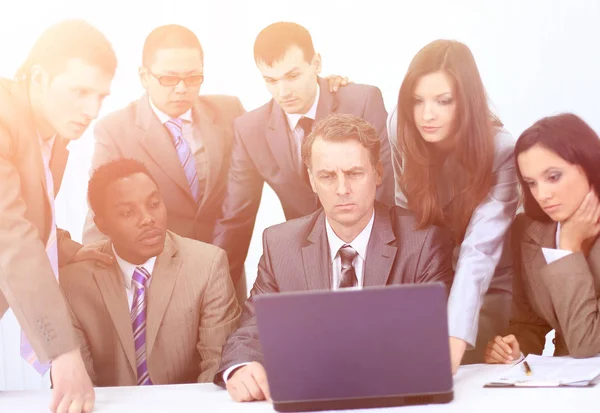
{"x": 306, "y": 125}
{"x": 348, "y": 275}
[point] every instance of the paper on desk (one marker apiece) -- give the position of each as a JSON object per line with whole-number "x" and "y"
{"x": 552, "y": 371}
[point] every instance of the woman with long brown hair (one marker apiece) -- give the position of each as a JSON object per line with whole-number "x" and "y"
{"x": 454, "y": 168}
{"x": 555, "y": 243}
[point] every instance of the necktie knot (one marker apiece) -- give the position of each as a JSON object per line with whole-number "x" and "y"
{"x": 140, "y": 277}
{"x": 306, "y": 125}
{"x": 347, "y": 255}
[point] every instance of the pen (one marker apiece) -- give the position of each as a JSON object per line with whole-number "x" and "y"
{"x": 528, "y": 371}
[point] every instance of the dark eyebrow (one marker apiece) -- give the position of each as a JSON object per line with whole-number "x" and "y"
{"x": 289, "y": 72}
{"x": 545, "y": 171}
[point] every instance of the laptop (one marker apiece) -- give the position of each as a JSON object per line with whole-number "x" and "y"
{"x": 356, "y": 349}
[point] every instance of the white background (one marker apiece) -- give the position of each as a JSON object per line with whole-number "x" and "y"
{"x": 536, "y": 58}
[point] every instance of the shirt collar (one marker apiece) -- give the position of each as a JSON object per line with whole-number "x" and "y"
{"x": 359, "y": 243}
{"x": 46, "y": 145}
{"x": 163, "y": 117}
{"x": 128, "y": 268}
{"x": 557, "y": 239}
{"x": 312, "y": 112}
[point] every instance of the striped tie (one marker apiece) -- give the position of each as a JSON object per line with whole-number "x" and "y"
{"x": 138, "y": 324}
{"x": 27, "y": 352}
{"x": 184, "y": 153}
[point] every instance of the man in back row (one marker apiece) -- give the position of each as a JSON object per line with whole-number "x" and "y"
{"x": 354, "y": 241}
{"x": 267, "y": 140}
{"x": 183, "y": 138}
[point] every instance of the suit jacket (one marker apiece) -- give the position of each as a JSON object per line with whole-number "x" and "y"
{"x": 27, "y": 282}
{"x": 191, "y": 310}
{"x": 563, "y": 295}
{"x": 296, "y": 257}
{"x": 262, "y": 152}
{"x": 135, "y": 132}
{"x": 483, "y": 260}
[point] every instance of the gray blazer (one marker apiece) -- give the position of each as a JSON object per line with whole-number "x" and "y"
{"x": 262, "y": 153}
{"x": 481, "y": 261}
{"x": 296, "y": 257}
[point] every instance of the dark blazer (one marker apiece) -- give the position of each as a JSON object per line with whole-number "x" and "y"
{"x": 135, "y": 132}
{"x": 262, "y": 152}
{"x": 27, "y": 282}
{"x": 563, "y": 295}
{"x": 296, "y": 257}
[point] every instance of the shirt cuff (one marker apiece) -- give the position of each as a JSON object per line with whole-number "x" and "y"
{"x": 551, "y": 254}
{"x": 230, "y": 370}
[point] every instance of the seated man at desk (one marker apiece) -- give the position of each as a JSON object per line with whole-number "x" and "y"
{"x": 162, "y": 312}
{"x": 354, "y": 240}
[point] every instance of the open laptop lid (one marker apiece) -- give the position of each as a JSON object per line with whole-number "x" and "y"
{"x": 374, "y": 344}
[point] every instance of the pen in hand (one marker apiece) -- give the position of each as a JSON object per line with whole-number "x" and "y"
{"x": 528, "y": 371}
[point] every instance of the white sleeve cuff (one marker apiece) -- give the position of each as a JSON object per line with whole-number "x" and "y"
{"x": 228, "y": 372}
{"x": 551, "y": 254}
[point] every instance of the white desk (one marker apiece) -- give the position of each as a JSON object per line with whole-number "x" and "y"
{"x": 469, "y": 396}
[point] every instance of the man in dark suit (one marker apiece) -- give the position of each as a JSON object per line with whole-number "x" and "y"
{"x": 353, "y": 241}
{"x": 267, "y": 140}
{"x": 184, "y": 139}
{"x": 58, "y": 93}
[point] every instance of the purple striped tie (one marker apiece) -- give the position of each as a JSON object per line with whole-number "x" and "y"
{"x": 184, "y": 153}
{"x": 138, "y": 323}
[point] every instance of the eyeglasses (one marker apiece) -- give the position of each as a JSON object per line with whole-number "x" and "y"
{"x": 170, "y": 80}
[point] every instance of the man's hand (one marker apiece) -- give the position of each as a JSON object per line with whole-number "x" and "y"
{"x": 457, "y": 350}
{"x": 249, "y": 383}
{"x": 86, "y": 253}
{"x": 73, "y": 390}
{"x": 336, "y": 81}
{"x": 502, "y": 350}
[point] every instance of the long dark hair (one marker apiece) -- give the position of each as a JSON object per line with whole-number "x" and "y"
{"x": 472, "y": 138}
{"x": 568, "y": 136}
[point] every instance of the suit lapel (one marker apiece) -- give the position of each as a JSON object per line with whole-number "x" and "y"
{"x": 542, "y": 235}
{"x": 380, "y": 254}
{"x": 594, "y": 263}
{"x": 36, "y": 165}
{"x": 278, "y": 139}
{"x": 315, "y": 257}
{"x": 158, "y": 143}
{"x": 213, "y": 140}
{"x": 112, "y": 288}
{"x": 164, "y": 276}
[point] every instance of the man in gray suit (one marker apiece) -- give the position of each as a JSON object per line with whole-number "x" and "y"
{"x": 353, "y": 241}
{"x": 184, "y": 139}
{"x": 267, "y": 140}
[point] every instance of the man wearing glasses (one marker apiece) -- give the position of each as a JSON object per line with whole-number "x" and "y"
{"x": 184, "y": 139}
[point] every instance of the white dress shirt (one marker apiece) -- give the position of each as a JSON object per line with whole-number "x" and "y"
{"x": 127, "y": 270}
{"x": 554, "y": 254}
{"x": 294, "y": 118}
{"x": 360, "y": 246}
{"x": 335, "y": 243}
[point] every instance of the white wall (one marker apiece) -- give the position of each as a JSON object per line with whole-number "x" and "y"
{"x": 531, "y": 54}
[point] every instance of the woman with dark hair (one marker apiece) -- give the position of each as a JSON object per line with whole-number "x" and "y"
{"x": 454, "y": 168}
{"x": 555, "y": 243}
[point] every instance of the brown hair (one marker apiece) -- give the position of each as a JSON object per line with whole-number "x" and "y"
{"x": 472, "y": 139}
{"x": 571, "y": 138}
{"x": 340, "y": 127}
{"x": 273, "y": 42}
{"x": 69, "y": 39}
{"x": 167, "y": 37}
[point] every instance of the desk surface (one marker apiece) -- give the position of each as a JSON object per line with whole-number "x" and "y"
{"x": 469, "y": 396}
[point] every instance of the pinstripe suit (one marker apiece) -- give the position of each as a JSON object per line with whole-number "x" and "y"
{"x": 296, "y": 257}
{"x": 190, "y": 312}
